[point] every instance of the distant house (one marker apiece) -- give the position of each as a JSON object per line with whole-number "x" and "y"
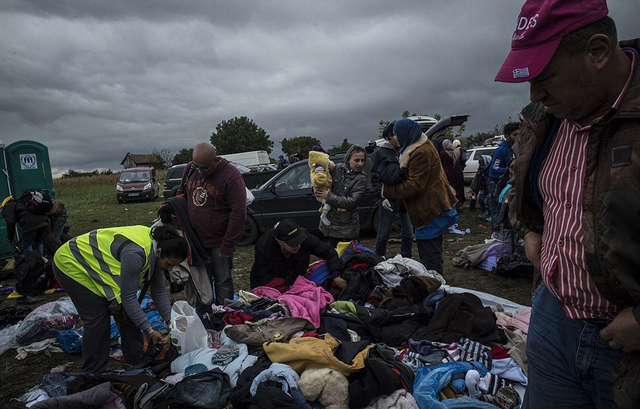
{"x": 135, "y": 160}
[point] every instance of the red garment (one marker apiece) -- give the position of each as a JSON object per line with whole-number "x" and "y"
{"x": 311, "y": 334}
{"x": 497, "y": 352}
{"x": 278, "y": 284}
{"x": 217, "y": 206}
{"x": 237, "y": 318}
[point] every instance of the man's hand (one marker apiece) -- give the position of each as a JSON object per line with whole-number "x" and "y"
{"x": 321, "y": 194}
{"x": 158, "y": 338}
{"x": 623, "y": 332}
{"x": 223, "y": 254}
{"x": 340, "y": 282}
{"x": 532, "y": 247}
{"x": 386, "y": 205}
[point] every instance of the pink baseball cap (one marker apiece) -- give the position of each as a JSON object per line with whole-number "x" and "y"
{"x": 540, "y": 28}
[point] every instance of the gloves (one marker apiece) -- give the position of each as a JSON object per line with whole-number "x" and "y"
{"x": 386, "y": 205}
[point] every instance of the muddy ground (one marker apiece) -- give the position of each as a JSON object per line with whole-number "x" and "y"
{"x": 17, "y": 377}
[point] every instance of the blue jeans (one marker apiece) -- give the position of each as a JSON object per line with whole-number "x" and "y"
{"x": 34, "y": 240}
{"x": 495, "y": 207}
{"x": 482, "y": 197}
{"x": 386, "y": 218}
{"x": 569, "y": 363}
{"x": 221, "y": 271}
{"x": 58, "y": 225}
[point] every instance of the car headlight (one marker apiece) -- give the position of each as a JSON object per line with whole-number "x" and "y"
{"x": 119, "y": 188}
{"x": 147, "y": 186}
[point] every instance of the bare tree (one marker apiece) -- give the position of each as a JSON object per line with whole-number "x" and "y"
{"x": 165, "y": 154}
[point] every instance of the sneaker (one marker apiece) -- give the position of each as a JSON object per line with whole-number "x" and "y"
{"x": 496, "y": 235}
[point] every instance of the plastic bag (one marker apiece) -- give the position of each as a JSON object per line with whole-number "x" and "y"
{"x": 46, "y": 320}
{"x": 8, "y": 338}
{"x": 187, "y": 331}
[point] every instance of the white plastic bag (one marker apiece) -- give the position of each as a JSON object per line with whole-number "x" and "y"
{"x": 187, "y": 331}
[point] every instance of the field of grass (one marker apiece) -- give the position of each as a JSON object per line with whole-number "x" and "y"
{"x": 91, "y": 203}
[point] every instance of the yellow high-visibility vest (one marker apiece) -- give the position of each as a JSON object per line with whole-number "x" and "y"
{"x": 87, "y": 259}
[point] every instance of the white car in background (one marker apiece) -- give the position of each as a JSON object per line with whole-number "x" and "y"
{"x": 473, "y": 154}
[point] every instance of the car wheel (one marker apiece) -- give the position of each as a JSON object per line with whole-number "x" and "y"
{"x": 250, "y": 233}
{"x": 396, "y": 227}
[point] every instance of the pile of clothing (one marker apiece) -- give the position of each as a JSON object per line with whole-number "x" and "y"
{"x": 397, "y": 336}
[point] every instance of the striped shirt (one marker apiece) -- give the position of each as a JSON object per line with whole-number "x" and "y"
{"x": 563, "y": 261}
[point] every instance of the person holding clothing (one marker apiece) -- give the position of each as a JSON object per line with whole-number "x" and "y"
{"x": 216, "y": 199}
{"x": 425, "y": 190}
{"x": 349, "y": 184}
{"x": 109, "y": 264}
{"x": 387, "y": 210}
{"x": 285, "y": 252}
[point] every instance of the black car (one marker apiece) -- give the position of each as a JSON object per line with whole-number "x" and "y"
{"x": 253, "y": 177}
{"x": 289, "y": 195}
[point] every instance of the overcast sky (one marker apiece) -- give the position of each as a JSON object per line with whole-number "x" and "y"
{"x": 95, "y": 79}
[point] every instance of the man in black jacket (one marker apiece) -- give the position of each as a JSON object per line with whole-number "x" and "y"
{"x": 387, "y": 209}
{"x": 285, "y": 251}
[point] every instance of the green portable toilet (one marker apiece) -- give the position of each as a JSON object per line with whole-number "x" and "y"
{"x": 26, "y": 166}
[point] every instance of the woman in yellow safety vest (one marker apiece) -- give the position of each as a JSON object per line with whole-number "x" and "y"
{"x": 110, "y": 264}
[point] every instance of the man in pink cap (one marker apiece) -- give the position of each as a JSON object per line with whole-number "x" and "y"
{"x": 576, "y": 196}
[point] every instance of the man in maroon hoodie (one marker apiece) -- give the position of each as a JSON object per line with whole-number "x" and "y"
{"x": 217, "y": 208}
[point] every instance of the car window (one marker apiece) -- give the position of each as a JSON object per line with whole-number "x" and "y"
{"x": 296, "y": 178}
{"x": 481, "y": 152}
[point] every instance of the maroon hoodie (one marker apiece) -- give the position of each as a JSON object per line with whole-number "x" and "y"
{"x": 216, "y": 205}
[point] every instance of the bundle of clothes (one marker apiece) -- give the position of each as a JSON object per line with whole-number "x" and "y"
{"x": 396, "y": 337}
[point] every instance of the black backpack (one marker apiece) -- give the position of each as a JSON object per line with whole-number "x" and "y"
{"x": 37, "y": 201}
{"x": 34, "y": 277}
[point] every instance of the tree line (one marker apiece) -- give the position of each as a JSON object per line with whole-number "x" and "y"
{"x": 242, "y": 134}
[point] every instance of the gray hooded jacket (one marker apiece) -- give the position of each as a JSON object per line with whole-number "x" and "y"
{"x": 346, "y": 191}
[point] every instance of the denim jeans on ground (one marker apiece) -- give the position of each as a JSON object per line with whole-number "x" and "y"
{"x": 430, "y": 252}
{"x": 569, "y": 363}
{"x": 386, "y": 218}
{"x": 222, "y": 279}
{"x": 34, "y": 240}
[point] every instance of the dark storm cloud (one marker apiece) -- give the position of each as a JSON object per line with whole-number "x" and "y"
{"x": 94, "y": 80}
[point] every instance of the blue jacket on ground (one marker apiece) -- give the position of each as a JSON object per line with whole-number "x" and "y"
{"x": 501, "y": 160}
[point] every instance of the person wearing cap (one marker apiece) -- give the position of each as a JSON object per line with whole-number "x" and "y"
{"x": 576, "y": 197}
{"x": 285, "y": 252}
{"x": 387, "y": 209}
{"x": 282, "y": 162}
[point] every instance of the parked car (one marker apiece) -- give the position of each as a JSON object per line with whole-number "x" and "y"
{"x": 473, "y": 154}
{"x": 289, "y": 195}
{"x": 172, "y": 180}
{"x": 137, "y": 184}
{"x": 252, "y": 179}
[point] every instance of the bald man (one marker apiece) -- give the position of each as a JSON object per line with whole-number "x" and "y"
{"x": 217, "y": 208}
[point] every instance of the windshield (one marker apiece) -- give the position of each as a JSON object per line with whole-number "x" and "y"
{"x": 133, "y": 177}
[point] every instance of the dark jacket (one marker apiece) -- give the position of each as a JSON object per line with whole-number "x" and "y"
{"x": 501, "y": 160}
{"x": 481, "y": 177}
{"x": 270, "y": 262}
{"x": 611, "y": 199}
{"x": 379, "y": 155}
{"x": 216, "y": 205}
{"x": 16, "y": 212}
{"x": 426, "y": 192}
{"x": 346, "y": 191}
